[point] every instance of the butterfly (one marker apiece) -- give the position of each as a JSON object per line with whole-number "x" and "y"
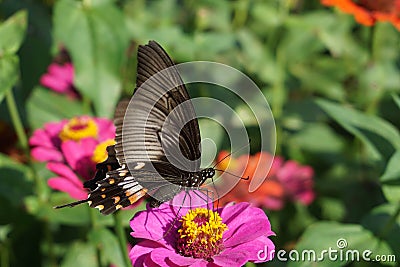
{"x": 157, "y": 150}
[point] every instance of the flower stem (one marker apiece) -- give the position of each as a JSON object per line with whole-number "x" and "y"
{"x": 50, "y": 244}
{"x": 23, "y": 140}
{"x": 93, "y": 221}
{"x": 119, "y": 228}
{"x": 240, "y": 14}
{"x": 4, "y": 255}
{"x": 17, "y": 122}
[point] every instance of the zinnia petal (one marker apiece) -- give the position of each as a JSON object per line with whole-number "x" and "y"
{"x": 239, "y": 255}
{"x": 40, "y": 138}
{"x": 162, "y": 255}
{"x": 244, "y": 223}
{"x": 106, "y": 129}
{"x": 79, "y": 156}
{"x": 141, "y": 251}
{"x": 151, "y": 225}
{"x": 46, "y": 154}
{"x": 65, "y": 185}
{"x": 64, "y": 171}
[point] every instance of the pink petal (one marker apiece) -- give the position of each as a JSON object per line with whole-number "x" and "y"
{"x": 191, "y": 199}
{"x": 46, "y": 154}
{"x": 239, "y": 255}
{"x": 65, "y": 185}
{"x": 306, "y": 197}
{"x": 53, "y": 129}
{"x": 272, "y": 203}
{"x": 141, "y": 251}
{"x": 149, "y": 263}
{"x": 289, "y": 169}
{"x": 79, "y": 156}
{"x": 151, "y": 224}
{"x": 64, "y": 171}
{"x": 40, "y": 138}
{"x": 62, "y": 72}
{"x": 106, "y": 129}
{"x": 164, "y": 257}
{"x": 244, "y": 223}
{"x": 54, "y": 83}
{"x": 69, "y": 69}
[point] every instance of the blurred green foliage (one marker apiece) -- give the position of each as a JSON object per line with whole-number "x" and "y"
{"x": 332, "y": 85}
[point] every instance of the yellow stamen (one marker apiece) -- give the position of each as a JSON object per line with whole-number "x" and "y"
{"x": 200, "y": 235}
{"x": 78, "y": 128}
{"x": 100, "y": 153}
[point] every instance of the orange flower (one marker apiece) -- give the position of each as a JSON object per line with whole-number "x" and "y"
{"x": 368, "y": 12}
{"x": 285, "y": 181}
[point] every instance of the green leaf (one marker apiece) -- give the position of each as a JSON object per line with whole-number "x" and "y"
{"x": 108, "y": 244}
{"x": 80, "y": 254}
{"x": 392, "y": 193}
{"x": 16, "y": 181}
{"x": 392, "y": 172}
{"x": 396, "y": 99}
{"x": 9, "y": 73}
{"x": 5, "y": 230}
{"x": 380, "y": 137}
{"x": 332, "y": 209}
{"x": 317, "y": 137}
{"x": 45, "y": 106}
{"x": 78, "y": 215}
{"x": 340, "y": 237}
{"x": 384, "y": 222}
{"x": 98, "y": 48}
{"x": 12, "y": 33}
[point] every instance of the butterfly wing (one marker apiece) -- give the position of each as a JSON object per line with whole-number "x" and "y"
{"x": 157, "y": 138}
{"x": 155, "y": 128}
{"x": 110, "y": 164}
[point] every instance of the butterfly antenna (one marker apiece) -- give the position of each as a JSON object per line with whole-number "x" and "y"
{"x": 240, "y": 148}
{"x": 73, "y": 204}
{"x": 242, "y": 178}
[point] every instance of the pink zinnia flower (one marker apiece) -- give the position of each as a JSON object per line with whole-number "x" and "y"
{"x": 72, "y": 149}
{"x": 285, "y": 181}
{"x": 60, "y": 78}
{"x": 230, "y": 236}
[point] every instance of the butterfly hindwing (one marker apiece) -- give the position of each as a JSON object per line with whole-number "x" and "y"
{"x": 110, "y": 164}
{"x": 117, "y": 190}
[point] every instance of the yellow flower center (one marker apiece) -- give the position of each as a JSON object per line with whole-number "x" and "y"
{"x": 78, "y": 128}
{"x": 100, "y": 153}
{"x": 200, "y": 235}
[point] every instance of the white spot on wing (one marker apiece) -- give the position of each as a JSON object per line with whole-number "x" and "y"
{"x": 133, "y": 190}
{"x": 139, "y": 165}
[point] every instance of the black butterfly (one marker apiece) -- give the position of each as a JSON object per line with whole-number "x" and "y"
{"x": 156, "y": 152}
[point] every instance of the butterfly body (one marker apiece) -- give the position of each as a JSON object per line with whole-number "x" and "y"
{"x": 196, "y": 179}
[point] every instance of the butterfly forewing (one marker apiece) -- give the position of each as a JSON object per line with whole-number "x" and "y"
{"x": 157, "y": 139}
{"x": 152, "y": 131}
